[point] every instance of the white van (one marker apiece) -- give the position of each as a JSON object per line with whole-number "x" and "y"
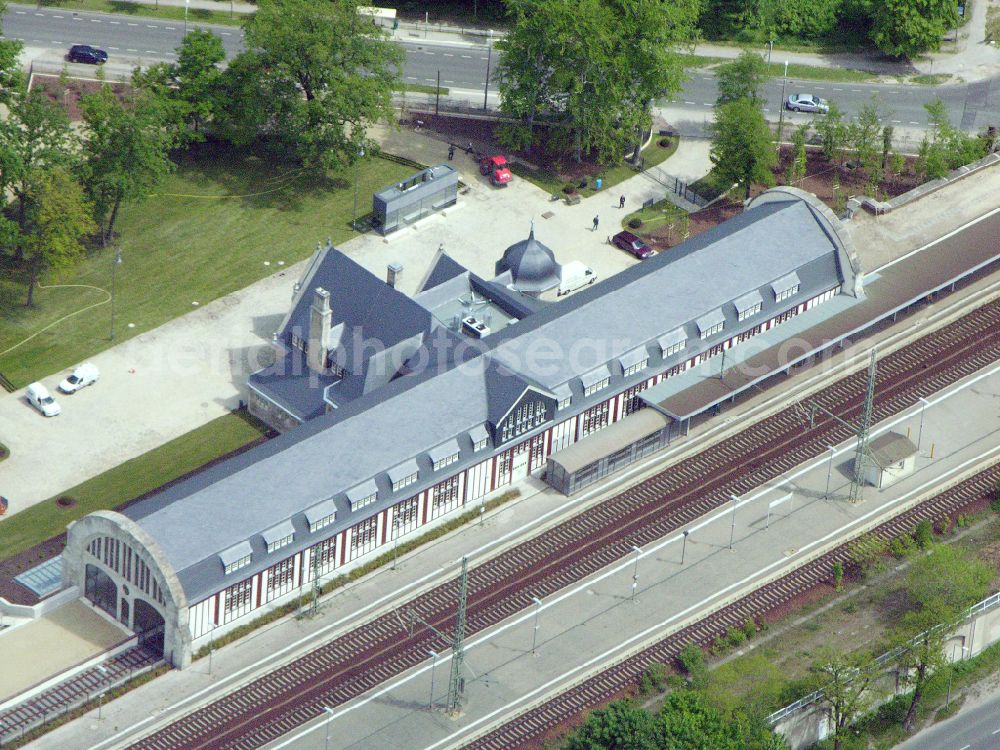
{"x": 39, "y": 397}
{"x": 81, "y": 377}
{"x": 573, "y": 276}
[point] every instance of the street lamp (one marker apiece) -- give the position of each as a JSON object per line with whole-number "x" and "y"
{"x": 829, "y": 472}
{"x": 635, "y": 570}
{"x": 770, "y": 46}
{"x": 395, "y": 539}
{"x": 489, "y": 59}
{"x": 186, "y": 3}
{"x": 684, "y": 545}
{"x": 100, "y": 698}
{"x": 434, "y": 656}
{"x": 924, "y": 403}
{"x": 781, "y": 107}
{"x": 117, "y": 261}
{"x": 211, "y": 638}
{"x": 357, "y": 176}
{"x": 329, "y": 718}
{"x": 732, "y": 528}
{"x": 534, "y": 635}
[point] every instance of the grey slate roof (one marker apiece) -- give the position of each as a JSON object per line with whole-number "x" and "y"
{"x": 786, "y": 282}
{"x": 748, "y": 300}
{"x": 277, "y": 532}
{"x": 237, "y": 552}
{"x": 531, "y": 264}
{"x": 325, "y": 459}
{"x": 320, "y": 511}
{"x": 668, "y": 340}
{"x": 891, "y": 448}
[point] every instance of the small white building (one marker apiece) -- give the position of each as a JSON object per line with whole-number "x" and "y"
{"x": 893, "y": 457}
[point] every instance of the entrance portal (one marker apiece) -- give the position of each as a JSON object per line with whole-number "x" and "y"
{"x": 101, "y": 590}
{"x": 148, "y": 624}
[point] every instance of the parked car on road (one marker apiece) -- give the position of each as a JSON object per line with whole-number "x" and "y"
{"x": 84, "y": 53}
{"x": 632, "y": 245}
{"x": 807, "y": 103}
{"x": 84, "y": 375}
{"x": 41, "y": 399}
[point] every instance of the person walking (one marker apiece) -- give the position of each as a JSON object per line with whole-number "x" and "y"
{"x": 451, "y": 152}
{"x": 597, "y": 220}
{"x": 621, "y": 202}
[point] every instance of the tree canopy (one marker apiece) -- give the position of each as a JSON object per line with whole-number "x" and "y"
{"x": 904, "y": 28}
{"x": 589, "y": 70}
{"x": 317, "y": 74}
{"x": 743, "y": 150}
{"x": 743, "y": 78}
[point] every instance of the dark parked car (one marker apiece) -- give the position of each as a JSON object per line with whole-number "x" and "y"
{"x": 84, "y": 53}
{"x": 632, "y": 245}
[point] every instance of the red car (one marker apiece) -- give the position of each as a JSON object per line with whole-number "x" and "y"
{"x": 632, "y": 245}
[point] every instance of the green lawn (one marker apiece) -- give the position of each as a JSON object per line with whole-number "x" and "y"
{"x": 795, "y": 70}
{"x": 710, "y": 186}
{"x": 661, "y": 212}
{"x": 207, "y": 232}
{"x": 166, "y": 12}
{"x": 131, "y": 479}
{"x": 931, "y": 79}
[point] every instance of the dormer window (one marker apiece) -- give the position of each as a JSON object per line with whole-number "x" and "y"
{"x": 564, "y": 396}
{"x": 634, "y": 361}
{"x": 444, "y": 455}
{"x": 785, "y": 287}
{"x": 673, "y": 342}
{"x": 362, "y": 495}
{"x": 321, "y": 515}
{"x": 278, "y": 536}
{"x": 711, "y": 324}
{"x": 748, "y": 305}
{"x": 236, "y": 557}
{"x": 480, "y": 437}
{"x": 404, "y": 475}
{"x": 595, "y": 380}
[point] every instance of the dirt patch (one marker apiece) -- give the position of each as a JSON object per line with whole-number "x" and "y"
{"x": 67, "y": 92}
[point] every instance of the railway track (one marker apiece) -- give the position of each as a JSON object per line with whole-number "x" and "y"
{"x": 356, "y": 662}
{"x": 530, "y": 727}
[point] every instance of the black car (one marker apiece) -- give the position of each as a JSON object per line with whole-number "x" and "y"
{"x": 84, "y": 53}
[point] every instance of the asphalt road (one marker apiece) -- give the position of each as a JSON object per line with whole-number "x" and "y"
{"x": 975, "y": 728}
{"x": 463, "y": 66}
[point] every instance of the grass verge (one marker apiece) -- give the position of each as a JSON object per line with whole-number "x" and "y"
{"x": 362, "y": 570}
{"x": 661, "y": 212}
{"x": 139, "y": 475}
{"x": 422, "y": 88}
{"x": 711, "y": 186}
{"x": 795, "y": 70}
{"x": 931, "y": 79}
{"x": 225, "y": 219}
{"x": 222, "y": 17}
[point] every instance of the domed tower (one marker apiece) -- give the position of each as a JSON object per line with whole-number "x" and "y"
{"x": 532, "y": 266}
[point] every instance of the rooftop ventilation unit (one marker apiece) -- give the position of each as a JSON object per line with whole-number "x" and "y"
{"x": 474, "y": 327}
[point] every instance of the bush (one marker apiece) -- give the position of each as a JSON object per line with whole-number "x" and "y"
{"x": 735, "y": 636}
{"x": 653, "y": 679}
{"x": 749, "y": 628}
{"x": 923, "y": 535}
{"x": 838, "y": 576}
{"x": 943, "y": 525}
{"x": 569, "y": 188}
{"x": 664, "y": 142}
{"x": 902, "y": 546}
{"x": 634, "y": 223}
{"x": 692, "y": 660}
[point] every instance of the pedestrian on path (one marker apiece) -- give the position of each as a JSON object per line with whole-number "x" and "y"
{"x": 597, "y": 220}
{"x": 451, "y": 152}
{"x": 621, "y": 202}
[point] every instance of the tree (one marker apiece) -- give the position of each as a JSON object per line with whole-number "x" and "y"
{"x": 10, "y": 64}
{"x": 588, "y": 71}
{"x": 832, "y": 132}
{"x": 742, "y": 147}
{"x": 743, "y": 78}
{"x": 620, "y": 726}
{"x": 35, "y": 136}
{"x": 946, "y": 147}
{"x": 941, "y": 586}
{"x": 59, "y": 219}
{"x": 126, "y": 151}
{"x": 864, "y": 135}
{"x": 797, "y": 166}
{"x": 846, "y": 682}
{"x": 192, "y": 87}
{"x": 905, "y": 28}
{"x": 325, "y": 74}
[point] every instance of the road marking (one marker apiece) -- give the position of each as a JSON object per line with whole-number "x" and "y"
{"x": 411, "y": 78}
{"x": 467, "y": 57}
{"x": 131, "y": 50}
{"x": 115, "y": 23}
{"x": 857, "y": 91}
{"x": 226, "y": 33}
{"x": 133, "y": 24}
{"x": 447, "y": 54}
{"x": 706, "y": 104}
{"x": 449, "y": 81}
{"x": 689, "y": 103}
{"x": 56, "y": 41}
{"x": 170, "y": 28}
{"x": 151, "y": 52}
{"x": 95, "y": 20}
{"x": 898, "y": 122}
{"x": 817, "y": 88}
{"x": 428, "y": 52}
{"x": 149, "y": 26}
{"x": 58, "y": 16}
{"x": 21, "y": 12}
{"x": 914, "y": 122}
{"x": 114, "y": 48}
{"x": 966, "y": 747}
{"x": 996, "y": 731}
{"x": 40, "y": 14}
{"x": 482, "y": 58}
{"x": 838, "y": 89}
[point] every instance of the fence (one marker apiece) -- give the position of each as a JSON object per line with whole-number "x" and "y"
{"x": 6, "y": 384}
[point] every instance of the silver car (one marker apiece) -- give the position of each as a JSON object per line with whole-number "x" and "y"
{"x": 807, "y": 103}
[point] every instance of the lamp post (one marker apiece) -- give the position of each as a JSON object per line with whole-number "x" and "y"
{"x": 489, "y": 59}
{"x": 534, "y": 635}
{"x": 117, "y": 261}
{"x": 732, "y": 528}
{"x": 395, "y": 539}
{"x": 924, "y": 403}
{"x": 186, "y": 3}
{"x": 100, "y": 698}
{"x": 781, "y": 106}
{"x": 329, "y": 718}
{"x": 434, "y": 656}
{"x": 684, "y": 545}
{"x": 770, "y": 46}
{"x": 357, "y": 177}
{"x": 635, "y": 570}
{"x": 829, "y": 472}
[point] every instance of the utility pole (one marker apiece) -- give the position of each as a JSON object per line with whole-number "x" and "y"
{"x": 314, "y": 607}
{"x": 456, "y": 685}
{"x": 781, "y": 106}
{"x": 864, "y": 429}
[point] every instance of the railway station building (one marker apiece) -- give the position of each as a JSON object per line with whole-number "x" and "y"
{"x": 397, "y": 413}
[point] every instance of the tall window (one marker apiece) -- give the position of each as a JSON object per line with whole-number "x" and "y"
{"x": 444, "y": 497}
{"x": 405, "y": 482}
{"x": 712, "y": 330}
{"x": 786, "y": 293}
{"x": 404, "y": 516}
{"x": 363, "y": 537}
{"x": 594, "y": 419}
{"x": 325, "y": 556}
{"x": 526, "y": 417}
{"x": 280, "y": 577}
{"x": 750, "y": 311}
{"x": 236, "y": 601}
{"x": 630, "y": 399}
{"x": 593, "y": 388}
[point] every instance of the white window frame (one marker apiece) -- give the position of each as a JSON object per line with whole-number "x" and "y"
{"x": 480, "y": 444}
{"x": 405, "y": 481}
{"x": 590, "y": 390}
{"x": 446, "y": 461}
{"x": 322, "y": 522}
{"x": 786, "y": 293}
{"x": 565, "y": 403}
{"x": 750, "y": 311}
{"x": 638, "y": 366}
{"x": 712, "y": 330}
{"x": 674, "y": 349}
{"x": 236, "y": 565}
{"x": 279, "y": 543}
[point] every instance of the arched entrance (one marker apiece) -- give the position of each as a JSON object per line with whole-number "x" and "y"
{"x": 101, "y": 590}
{"x": 148, "y": 624}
